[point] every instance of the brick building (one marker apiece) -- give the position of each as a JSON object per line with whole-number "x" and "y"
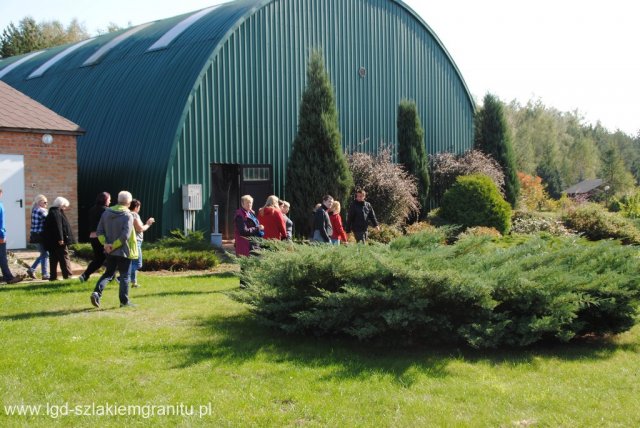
{"x": 37, "y": 156}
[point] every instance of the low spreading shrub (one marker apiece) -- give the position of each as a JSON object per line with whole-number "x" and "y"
{"x": 419, "y": 226}
{"x": 480, "y": 231}
{"x": 594, "y": 222}
{"x": 474, "y": 200}
{"x": 195, "y": 241}
{"x": 525, "y": 222}
{"x": 178, "y": 259}
{"x": 477, "y": 292}
{"x": 385, "y": 235}
{"x": 176, "y": 252}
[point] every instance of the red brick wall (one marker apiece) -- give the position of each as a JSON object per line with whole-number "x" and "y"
{"x": 51, "y": 170}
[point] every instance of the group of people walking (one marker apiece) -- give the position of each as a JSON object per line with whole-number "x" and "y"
{"x": 272, "y": 221}
{"x": 119, "y": 232}
{"x": 116, "y": 237}
{"x": 327, "y": 222}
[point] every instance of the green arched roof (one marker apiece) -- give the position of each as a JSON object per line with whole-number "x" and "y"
{"x": 131, "y": 99}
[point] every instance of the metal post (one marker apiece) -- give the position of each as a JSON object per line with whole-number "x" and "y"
{"x": 216, "y": 238}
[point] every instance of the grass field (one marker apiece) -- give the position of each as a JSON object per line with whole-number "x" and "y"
{"x": 187, "y": 343}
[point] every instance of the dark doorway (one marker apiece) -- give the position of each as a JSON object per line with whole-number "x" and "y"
{"x": 229, "y": 182}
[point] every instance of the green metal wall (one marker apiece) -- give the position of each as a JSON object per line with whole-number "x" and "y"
{"x": 244, "y": 108}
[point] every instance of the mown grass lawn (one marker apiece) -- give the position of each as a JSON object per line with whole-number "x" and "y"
{"x": 188, "y": 343}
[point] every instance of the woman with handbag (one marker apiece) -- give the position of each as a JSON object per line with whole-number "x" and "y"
{"x": 38, "y": 215}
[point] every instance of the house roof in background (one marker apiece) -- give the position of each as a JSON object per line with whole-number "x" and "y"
{"x": 20, "y": 113}
{"x": 584, "y": 186}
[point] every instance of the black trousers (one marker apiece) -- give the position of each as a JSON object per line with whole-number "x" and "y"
{"x": 59, "y": 254}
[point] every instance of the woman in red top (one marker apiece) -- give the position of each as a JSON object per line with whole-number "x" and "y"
{"x": 336, "y": 223}
{"x": 272, "y": 219}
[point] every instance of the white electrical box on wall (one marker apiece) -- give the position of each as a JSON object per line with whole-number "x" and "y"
{"x": 192, "y": 197}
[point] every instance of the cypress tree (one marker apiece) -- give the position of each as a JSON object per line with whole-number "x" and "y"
{"x": 317, "y": 165}
{"x": 411, "y": 152}
{"x": 492, "y": 137}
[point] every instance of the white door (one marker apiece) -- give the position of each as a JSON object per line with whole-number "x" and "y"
{"x": 12, "y": 184}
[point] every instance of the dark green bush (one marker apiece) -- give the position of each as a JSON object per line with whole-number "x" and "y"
{"x": 474, "y": 200}
{"x": 594, "y": 222}
{"x": 477, "y": 292}
{"x": 82, "y": 250}
{"x": 175, "y": 252}
{"x": 195, "y": 241}
{"x": 178, "y": 252}
{"x": 178, "y": 259}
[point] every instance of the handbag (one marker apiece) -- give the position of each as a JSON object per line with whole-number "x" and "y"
{"x": 35, "y": 238}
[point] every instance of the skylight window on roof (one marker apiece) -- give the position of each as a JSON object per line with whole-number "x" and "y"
{"x": 10, "y": 67}
{"x": 179, "y": 28}
{"x": 97, "y": 56}
{"x": 44, "y": 67}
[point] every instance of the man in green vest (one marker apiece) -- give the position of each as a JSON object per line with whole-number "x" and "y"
{"x": 115, "y": 231}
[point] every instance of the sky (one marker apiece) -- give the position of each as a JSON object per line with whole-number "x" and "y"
{"x": 572, "y": 55}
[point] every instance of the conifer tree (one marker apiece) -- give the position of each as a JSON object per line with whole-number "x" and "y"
{"x": 492, "y": 137}
{"x": 317, "y": 165}
{"x": 411, "y": 152}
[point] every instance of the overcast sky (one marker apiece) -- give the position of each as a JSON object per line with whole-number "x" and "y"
{"x": 570, "y": 54}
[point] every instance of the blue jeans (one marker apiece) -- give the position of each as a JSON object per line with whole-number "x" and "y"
{"x": 122, "y": 264}
{"x": 43, "y": 261}
{"x": 4, "y": 263}
{"x": 335, "y": 241}
{"x": 136, "y": 264}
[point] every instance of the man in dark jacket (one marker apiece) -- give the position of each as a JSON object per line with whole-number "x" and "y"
{"x": 359, "y": 216}
{"x": 115, "y": 231}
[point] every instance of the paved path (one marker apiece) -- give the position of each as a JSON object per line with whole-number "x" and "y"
{"x": 21, "y": 260}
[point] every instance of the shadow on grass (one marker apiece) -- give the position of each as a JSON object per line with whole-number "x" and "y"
{"x": 236, "y": 340}
{"x": 179, "y": 293}
{"x": 43, "y": 314}
{"x": 218, "y": 275}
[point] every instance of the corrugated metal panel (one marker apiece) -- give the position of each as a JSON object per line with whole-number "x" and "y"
{"x": 246, "y": 106}
{"x": 228, "y": 89}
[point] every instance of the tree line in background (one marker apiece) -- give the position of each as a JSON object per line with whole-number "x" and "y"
{"x": 560, "y": 149}
{"x": 29, "y": 35}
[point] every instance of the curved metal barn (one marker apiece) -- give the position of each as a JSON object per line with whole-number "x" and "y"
{"x": 212, "y": 97}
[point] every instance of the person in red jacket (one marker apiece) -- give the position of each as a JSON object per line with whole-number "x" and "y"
{"x": 272, "y": 219}
{"x": 338, "y": 235}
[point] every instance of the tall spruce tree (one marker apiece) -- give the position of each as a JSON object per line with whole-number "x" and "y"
{"x": 492, "y": 137}
{"x": 317, "y": 165}
{"x": 411, "y": 152}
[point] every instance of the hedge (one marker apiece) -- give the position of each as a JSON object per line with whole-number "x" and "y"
{"x": 418, "y": 291}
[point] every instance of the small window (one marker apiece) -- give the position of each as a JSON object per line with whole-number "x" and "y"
{"x": 256, "y": 174}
